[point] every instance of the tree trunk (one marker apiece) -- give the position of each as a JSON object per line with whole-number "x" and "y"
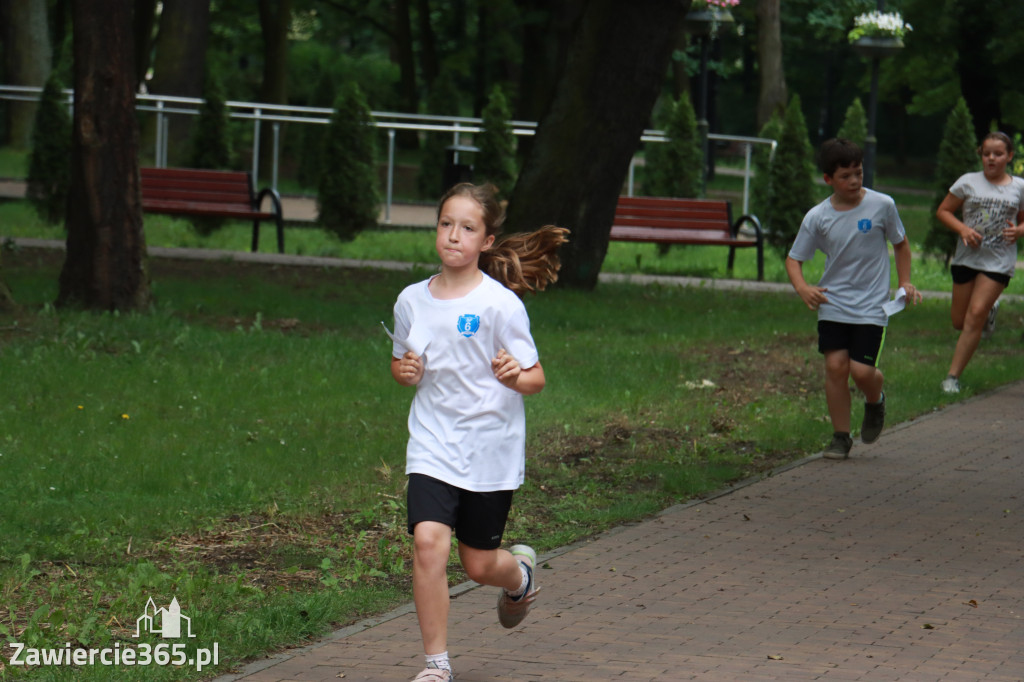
{"x": 616, "y": 65}
{"x": 772, "y": 95}
{"x": 27, "y": 61}
{"x": 105, "y": 265}
{"x": 275, "y": 18}
{"x": 179, "y": 70}
{"x": 428, "y": 44}
{"x": 406, "y": 59}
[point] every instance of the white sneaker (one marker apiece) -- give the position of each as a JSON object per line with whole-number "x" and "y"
{"x": 990, "y": 322}
{"x": 951, "y": 385}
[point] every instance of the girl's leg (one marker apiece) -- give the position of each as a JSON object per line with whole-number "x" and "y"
{"x": 961, "y": 299}
{"x": 493, "y": 567}
{"x": 983, "y": 296}
{"x": 869, "y": 380}
{"x": 432, "y": 544}
{"x": 837, "y": 388}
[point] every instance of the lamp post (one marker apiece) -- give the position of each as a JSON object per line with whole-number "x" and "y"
{"x": 703, "y": 23}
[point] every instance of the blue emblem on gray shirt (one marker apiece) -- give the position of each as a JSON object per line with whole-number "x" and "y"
{"x": 864, "y": 225}
{"x": 469, "y": 325}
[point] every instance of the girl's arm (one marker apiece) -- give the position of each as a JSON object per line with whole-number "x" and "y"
{"x": 510, "y": 374}
{"x": 946, "y": 214}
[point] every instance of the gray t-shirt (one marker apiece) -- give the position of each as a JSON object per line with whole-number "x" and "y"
{"x": 856, "y": 256}
{"x": 988, "y": 208}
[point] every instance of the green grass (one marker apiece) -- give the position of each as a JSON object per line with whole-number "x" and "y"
{"x": 241, "y": 446}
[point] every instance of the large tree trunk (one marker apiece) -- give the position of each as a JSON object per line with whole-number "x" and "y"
{"x": 275, "y": 18}
{"x": 616, "y": 65}
{"x": 27, "y": 61}
{"x": 428, "y": 44}
{"x": 179, "y": 69}
{"x": 772, "y": 96}
{"x": 105, "y": 265}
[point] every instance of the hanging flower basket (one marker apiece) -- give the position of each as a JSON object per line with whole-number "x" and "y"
{"x": 706, "y": 16}
{"x": 878, "y": 34}
{"x": 877, "y": 46}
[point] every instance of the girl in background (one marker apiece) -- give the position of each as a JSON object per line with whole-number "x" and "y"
{"x": 991, "y": 202}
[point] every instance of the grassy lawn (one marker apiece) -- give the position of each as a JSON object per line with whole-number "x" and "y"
{"x": 241, "y": 447}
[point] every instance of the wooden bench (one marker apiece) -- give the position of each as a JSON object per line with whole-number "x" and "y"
{"x": 686, "y": 221}
{"x": 215, "y": 193}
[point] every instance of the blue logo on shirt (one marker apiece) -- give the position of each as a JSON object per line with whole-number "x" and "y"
{"x": 469, "y": 325}
{"x": 864, "y": 225}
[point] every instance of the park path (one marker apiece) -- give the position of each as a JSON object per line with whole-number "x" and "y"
{"x": 905, "y": 562}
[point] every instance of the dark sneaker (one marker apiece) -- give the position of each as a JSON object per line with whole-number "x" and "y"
{"x": 512, "y": 610}
{"x": 839, "y": 448}
{"x": 874, "y": 420}
{"x": 990, "y": 322}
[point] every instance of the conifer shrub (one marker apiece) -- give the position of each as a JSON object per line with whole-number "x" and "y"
{"x": 347, "y": 198}
{"x": 49, "y": 168}
{"x": 958, "y": 154}
{"x": 211, "y": 143}
{"x": 496, "y": 160}
{"x": 311, "y": 160}
{"x": 673, "y": 168}
{"x": 855, "y": 124}
{"x": 761, "y": 184}
{"x": 792, "y": 179}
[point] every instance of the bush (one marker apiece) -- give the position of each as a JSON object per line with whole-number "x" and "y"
{"x": 49, "y": 169}
{"x": 348, "y": 200}
{"x": 673, "y": 168}
{"x": 792, "y": 177}
{"x": 958, "y": 154}
{"x": 855, "y": 124}
{"x": 496, "y": 160}
{"x": 761, "y": 186}
{"x": 211, "y": 144}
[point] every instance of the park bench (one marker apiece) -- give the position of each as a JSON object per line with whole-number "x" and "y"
{"x": 214, "y": 193}
{"x": 686, "y": 221}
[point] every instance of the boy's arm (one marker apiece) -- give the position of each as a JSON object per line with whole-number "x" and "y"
{"x": 812, "y": 296}
{"x": 901, "y": 252}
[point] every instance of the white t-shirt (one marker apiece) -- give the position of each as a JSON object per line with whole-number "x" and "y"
{"x": 465, "y": 427}
{"x": 856, "y": 256}
{"x": 987, "y": 208}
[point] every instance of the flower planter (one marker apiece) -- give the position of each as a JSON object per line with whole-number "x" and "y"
{"x": 705, "y": 21}
{"x": 877, "y": 46}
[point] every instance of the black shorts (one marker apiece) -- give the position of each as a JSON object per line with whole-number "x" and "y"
{"x": 963, "y": 274}
{"x": 863, "y": 341}
{"x": 477, "y": 518}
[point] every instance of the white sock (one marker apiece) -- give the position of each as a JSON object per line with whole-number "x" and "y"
{"x": 523, "y": 585}
{"x": 439, "y": 661}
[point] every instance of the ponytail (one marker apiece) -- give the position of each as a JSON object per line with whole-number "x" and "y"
{"x": 527, "y": 261}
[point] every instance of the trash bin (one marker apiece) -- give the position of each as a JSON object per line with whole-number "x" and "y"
{"x": 456, "y": 169}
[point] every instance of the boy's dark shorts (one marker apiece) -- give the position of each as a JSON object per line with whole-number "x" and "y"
{"x": 863, "y": 341}
{"x": 478, "y": 518}
{"x": 963, "y": 274}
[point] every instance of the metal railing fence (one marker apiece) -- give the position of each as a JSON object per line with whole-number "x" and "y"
{"x": 164, "y": 106}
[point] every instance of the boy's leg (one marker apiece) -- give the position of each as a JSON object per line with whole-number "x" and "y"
{"x": 837, "y": 389}
{"x": 869, "y": 380}
{"x": 432, "y": 542}
{"x": 493, "y": 567}
{"x": 983, "y": 296}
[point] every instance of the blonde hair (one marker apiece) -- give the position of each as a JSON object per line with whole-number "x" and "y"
{"x": 523, "y": 262}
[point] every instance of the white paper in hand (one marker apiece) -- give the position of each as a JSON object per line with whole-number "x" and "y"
{"x": 898, "y": 302}
{"x": 416, "y": 341}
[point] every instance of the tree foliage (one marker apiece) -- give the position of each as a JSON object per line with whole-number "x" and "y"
{"x": 443, "y": 100}
{"x": 49, "y": 168}
{"x": 496, "y": 160}
{"x": 673, "y": 168}
{"x": 958, "y": 154}
{"x": 347, "y": 198}
{"x": 761, "y": 191}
